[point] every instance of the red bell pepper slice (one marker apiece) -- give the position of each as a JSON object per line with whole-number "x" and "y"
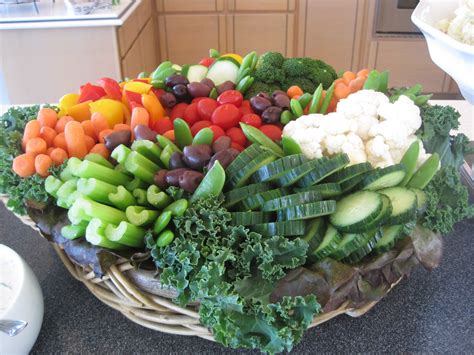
{"x": 112, "y": 88}
{"x": 207, "y": 61}
{"x": 91, "y": 92}
{"x": 133, "y": 97}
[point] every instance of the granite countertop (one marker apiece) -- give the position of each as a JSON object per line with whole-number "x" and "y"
{"x": 428, "y": 312}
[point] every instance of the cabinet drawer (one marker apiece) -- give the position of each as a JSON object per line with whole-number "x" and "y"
{"x": 188, "y": 6}
{"x": 127, "y": 33}
{"x": 258, "y": 5}
{"x": 132, "y": 63}
{"x": 148, "y": 46}
{"x": 144, "y": 12}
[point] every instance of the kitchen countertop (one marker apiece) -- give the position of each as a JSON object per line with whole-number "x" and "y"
{"x": 57, "y": 15}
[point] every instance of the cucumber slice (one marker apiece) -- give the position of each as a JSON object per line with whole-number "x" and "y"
{"x": 356, "y": 210}
{"x": 249, "y": 218}
{"x": 285, "y": 229}
{"x": 291, "y": 200}
{"x": 293, "y": 175}
{"x": 403, "y": 203}
{"x": 382, "y": 217}
{"x": 328, "y": 190}
{"x": 240, "y": 178}
{"x": 194, "y": 73}
{"x": 390, "y": 234}
{"x": 350, "y": 243}
{"x": 370, "y": 240}
{"x": 382, "y": 178}
{"x": 234, "y": 196}
{"x": 315, "y": 230}
{"x": 420, "y": 201}
{"x": 330, "y": 242}
{"x": 307, "y": 211}
{"x": 256, "y": 201}
{"x": 222, "y": 71}
{"x": 325, "y": 169}
{"x": 349, "y": 185}
{"x": 349, "y": 172}
{"x": 278, "y": 168}
{"x": 425, "y": 172}
{"x": 243, "y": 159}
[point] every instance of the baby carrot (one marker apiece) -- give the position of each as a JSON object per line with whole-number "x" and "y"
{"x": 121, "y": 127}
{"x": 24, "y": 165}
{"x": 75, "y": 140}
{"x": 49, "y": 150}
{"x": 58, "y": 156}
{"x": 42, "y": 164}
{"x": 294, "y": 90}
{"x": 357, "y": 84}
{"x": 60, "y": 141}
{"x": 36, "y": 146}
{"x": 62, "y": 123}
{"x": 363, "y": 72}
{"x": 169, "y": 134}
{"x": 88, "y": 128}
{"x": 341, "y": 91}
{"x": 139, "y": 116}
{"x": 90, "y": 142}
{"x": 101, "y": 149}
{"x": 103, "y": 133}
{"x": 348, "y": 76}
{"x": 32, "y": 130}
{"x": 48, "y": 134}
{"x": 99, "y": 123}
{"x": 47, "y": 117}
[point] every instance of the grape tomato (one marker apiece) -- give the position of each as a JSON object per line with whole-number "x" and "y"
{"x": 198, "y": 126}
{"x": 206, "y": 107}
{"x": 271, "y": 131}
{"x": 233, "y": 97}
{"x": 252, "y": 119}
{"x": 191, "y": 115}
{"x": 178, "y": 111}
{"x": 237, "y": 136}
{"x": 226, "y": 116}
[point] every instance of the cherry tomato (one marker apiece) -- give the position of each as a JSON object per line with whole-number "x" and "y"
{"x": 218, "y": 132}
{"x": 197, "y": 99}
{"x": 178, "y": 111}
{"x": 226, "y": 116}
{"x": 198, "y": 126}
{"x": 207, "y": 61}
{"x": 246, "y": 103}
{"x": 191, "y": 115}
{"x": 162, "y": 125}
{"x": 233, "y": 97}
{"x": 236, "y": 135}
{"x": 237, "y": 146}
{"x": 245, "y": 110}
{"x": 206, "y": 107}
{"x": 271, "y": 131}
{"x": 252, "y": 119}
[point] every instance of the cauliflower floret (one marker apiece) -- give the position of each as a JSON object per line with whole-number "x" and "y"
{"x": 354, "y": 148}
{"x": 394, "y": 133}
{"x": 378, "y": 153}
{"x": 335, "y": 123}
{"x": 333, "y": 144}
{"x": 403, "y": 111}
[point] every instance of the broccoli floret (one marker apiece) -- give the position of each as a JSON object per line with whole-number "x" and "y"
{"x": 305, "y": 84}
{"x": 272, "y": 59}
{"x": 296, "y": 67}
{"x": 310, "y": 69}
{"x": 259, "y": 86}
{"x": 268, "y": 68}
{"x": 323, "y": 73}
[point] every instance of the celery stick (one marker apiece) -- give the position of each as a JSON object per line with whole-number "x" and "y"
{"x": 148, "y": 149}
{"x": 88, "y": 169}
{"x": 120, "y": 153}
{"x": 127, "y": 234}
{"x": 95, "y": 234}
{"x": 52, "y": 185}
{"x": 67, "y": 173}
{"x": 62, "y": 203}
{"x": 165, "y": 155}
{"x": 74, "y": 231}
{"x": 143, "y": 161}
{"x": 99, "y": 159}
{"x": 140, "y": 216}
{"x": 121, "y": 198}
{"x": 165, "y": 142}
{"x": 73, "y": 197}
{"x": 86, "y": 209}
{"x": 66, "y": 189}
{"x": 121, "y": 169}
{"x": 157, "y": 198}
{"x": 140, "y": 196}
{"x": 145, "y": 173}
{"x": 95, "y": 189}
{"x": 136, "y": 183}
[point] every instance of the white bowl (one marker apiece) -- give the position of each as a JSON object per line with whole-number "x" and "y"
{"x": 20, "y": 299}
{"x": 454, "y": 57}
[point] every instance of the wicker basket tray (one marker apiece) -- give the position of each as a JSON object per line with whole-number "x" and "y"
{"x": 140, "y": 297}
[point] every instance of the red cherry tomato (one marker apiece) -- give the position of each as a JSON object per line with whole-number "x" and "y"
{"x": 237, "y": 146}
{"x": 233, "y": 97}
{"x": 252, "y": 119}
{"x": 271, "y": 131}
{"x": 207, "y": 61}
{"x": 198, "y": 126}
{"x": 236, "y": 135}
{"x": 191, "y": 114}
{"x": 178, "y": 111}
{"x": 245, "y": 110}
{"x": 246, "y": 103}
{"x": 206, "y": 108}
{"x": 226, "y": 116}
{"x": 162, "y": 125}
{"x": 197, "y": 99}
{"x": 218, "y": 132}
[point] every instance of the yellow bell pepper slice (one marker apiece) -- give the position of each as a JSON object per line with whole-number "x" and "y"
{"x": 138, "y": 87}
{"x": 234, "y": 56}
{"x": 65, "y": 102}
{"x": 153, "y": 106}
{"x": 111, "y": 109}
{"x": 126, "y": 114}
{"x": 80, "y": 112}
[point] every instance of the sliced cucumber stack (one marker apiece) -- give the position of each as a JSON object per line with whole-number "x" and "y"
{"x": 350, "y": 172}
{"x": 250, "y": 218}
{"x": 291, "y": 200}
{"x": 257, "y": 200}
{"x": 328, "y": 190}
{"x": 370, "y": 240}
{"x": 240, "y": 178}
{"x": 286, "y": 229}
{"x": 279, "y": 167}
{"x": 243, "y": 159}
{"x": 356, "y": 210}
{"x": 352, "y": 183}
{"x": 381, "y": 218}
{"x": 382, "y": 178}
{"x": 223, "y": 70}
{"x": 323, "y": 170}
{"x": 315, "y": 230}
{"x": 235, "y": 196}
{"x": 331, "y": 240}
{"x": 293, "y": 175}
{"x": 194, "y": 73}
{"x": 390, "y": 234}
{"x": 403, "y": 203}
{"x": 307, "y": 211}
{"x": 350, "y": 243}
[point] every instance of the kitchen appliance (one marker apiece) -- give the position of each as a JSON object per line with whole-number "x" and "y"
{"x": 393, "y": 18}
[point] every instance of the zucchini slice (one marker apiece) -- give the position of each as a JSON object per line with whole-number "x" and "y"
{"x": 291, "y": 200}
{"x": 279, "y": 167}
{"x": 249, "y": 218}
{"x": 330, "y": 242}
{"x": 390, "y": 234}
{"x": 370, "y": 240}
{"x": 324, "y": 169}
{"x": 241, "y": 177}
{"x": 285, "y": 229}
{"x": 403, "y": 203}
{"x": 307, "y": 211}
{"x": 315, "y": 230}
{"x": 349, "y": 172}
{"x": 382, "y": 178}
{"x": 356, "y": 210}
{"x": 328, "y": 190}
{"x": 234, "y": 196}
{"x": 293, "y": 175}
{"x": 350, "y": 243}
{"x": 243, "y": 159}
